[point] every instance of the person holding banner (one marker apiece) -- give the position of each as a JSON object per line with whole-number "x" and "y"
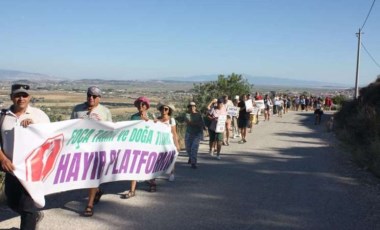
{"x": 194, "y": 133}
{"x": 166, "y": 110}
{"x": 268, "y": 104}
{"x": 19, "y": 114}
{"x": 218, "y": 116}
{"x": 243, "y": 119}
{"x": 92, "y": 110}
{"x": 227, "y": 104}
{"x": 142, "y": 104}
{"x": 235, "y": 128}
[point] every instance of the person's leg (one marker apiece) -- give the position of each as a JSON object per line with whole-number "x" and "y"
{"x": 133, "y": 186}
{"x": 228, "y": 127}
{"x": 188, "y": 144}
{"x": 219, "y": 141}
{"x": 131, "y": 192}
{"x": 19, "y": 200}
{"x": 265, "y": 114}
{"x": 29, "y": 214}
{"x": 316, "y": 118}
{"x": 250, "y": 122}
{"x": 91, "y": 196}
{"x": 218, "y": 147}
{"x": 211, "y": 142}
{"x": 194, "y": 150}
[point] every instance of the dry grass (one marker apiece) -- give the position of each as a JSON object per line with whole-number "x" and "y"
{"x": 60, "y": 103}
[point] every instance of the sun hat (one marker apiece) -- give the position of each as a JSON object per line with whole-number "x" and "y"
{"x": 144, "y": 100}
{"x": 191, "y": 103}
{"x": 168, "y": 104}
{"x": 94, "y": 90}
{"x": 20, "y": 88}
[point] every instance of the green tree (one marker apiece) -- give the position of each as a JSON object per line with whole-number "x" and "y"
{"x": 234, "y": 84}
{"x": 339, "y": 99}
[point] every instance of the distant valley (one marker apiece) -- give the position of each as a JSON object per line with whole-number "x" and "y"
{"x": 259, "y": 81}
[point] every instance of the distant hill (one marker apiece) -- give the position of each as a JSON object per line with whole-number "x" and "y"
{"x": 13, "y": 75}
{"x": 265, "y": 81}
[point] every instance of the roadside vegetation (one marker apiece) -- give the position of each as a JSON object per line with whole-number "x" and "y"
{"x": 357, "y": 125}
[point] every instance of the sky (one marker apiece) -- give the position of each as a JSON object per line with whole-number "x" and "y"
{"x": 155, "y": 39}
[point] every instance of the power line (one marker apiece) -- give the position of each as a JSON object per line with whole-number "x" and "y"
{"x": 373, "y": 59}
{"x": 373, "y": 3}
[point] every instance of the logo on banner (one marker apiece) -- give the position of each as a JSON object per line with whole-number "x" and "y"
{"x": 40, "y": 162}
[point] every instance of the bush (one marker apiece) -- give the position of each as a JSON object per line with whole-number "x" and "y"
{"x": 358, "y": 126}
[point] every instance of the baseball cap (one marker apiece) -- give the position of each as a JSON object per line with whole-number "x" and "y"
{"x": 20, "y": 88}
{"x": 191, "y": 104}
{"x": 220, "y": 100}
{"x": 94, "y": 90}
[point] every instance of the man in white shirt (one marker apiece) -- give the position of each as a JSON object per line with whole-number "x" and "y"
{"x": 20, "y": 113}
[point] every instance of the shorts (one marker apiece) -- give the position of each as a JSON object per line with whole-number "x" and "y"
{"x": 243, "y": 123}
{"x": 215, "y": 136}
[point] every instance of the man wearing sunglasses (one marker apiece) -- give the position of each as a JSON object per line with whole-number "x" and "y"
{"x": 93, "y": 110}
{"x": 20, "y": 113}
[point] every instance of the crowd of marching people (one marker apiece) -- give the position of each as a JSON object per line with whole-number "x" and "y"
{"x": 225, "y": 119}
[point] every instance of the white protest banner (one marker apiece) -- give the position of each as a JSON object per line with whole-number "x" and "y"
{"x": 79, "y": 153}
{"x": 233, "y": 111}
{"x": 260, "y": 104}
{"x": 248, "y": 105}
{"x": 221, "y": 124}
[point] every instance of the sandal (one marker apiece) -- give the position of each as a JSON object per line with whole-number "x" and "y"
{"x": 128, "y": 195}
{"x": 98, "y": 195}
{"x": 89, "y": 211}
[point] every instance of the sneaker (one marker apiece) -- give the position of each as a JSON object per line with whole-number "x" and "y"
{"x": 241, "y": 142}
{"x": 218, "y": 157}
{"x": 171, "y": 177}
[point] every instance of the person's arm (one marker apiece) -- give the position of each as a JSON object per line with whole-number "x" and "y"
{"x": 5, "y": 163}
{"x": 213, "y": 101}
{"x": 175, "y": 138}
{"x": 144, "y": 116}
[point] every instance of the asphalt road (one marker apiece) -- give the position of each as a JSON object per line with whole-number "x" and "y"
{"x": 289, "y": 175}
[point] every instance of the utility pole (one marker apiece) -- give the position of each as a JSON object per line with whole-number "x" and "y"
{"x": 356, "y": 95}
